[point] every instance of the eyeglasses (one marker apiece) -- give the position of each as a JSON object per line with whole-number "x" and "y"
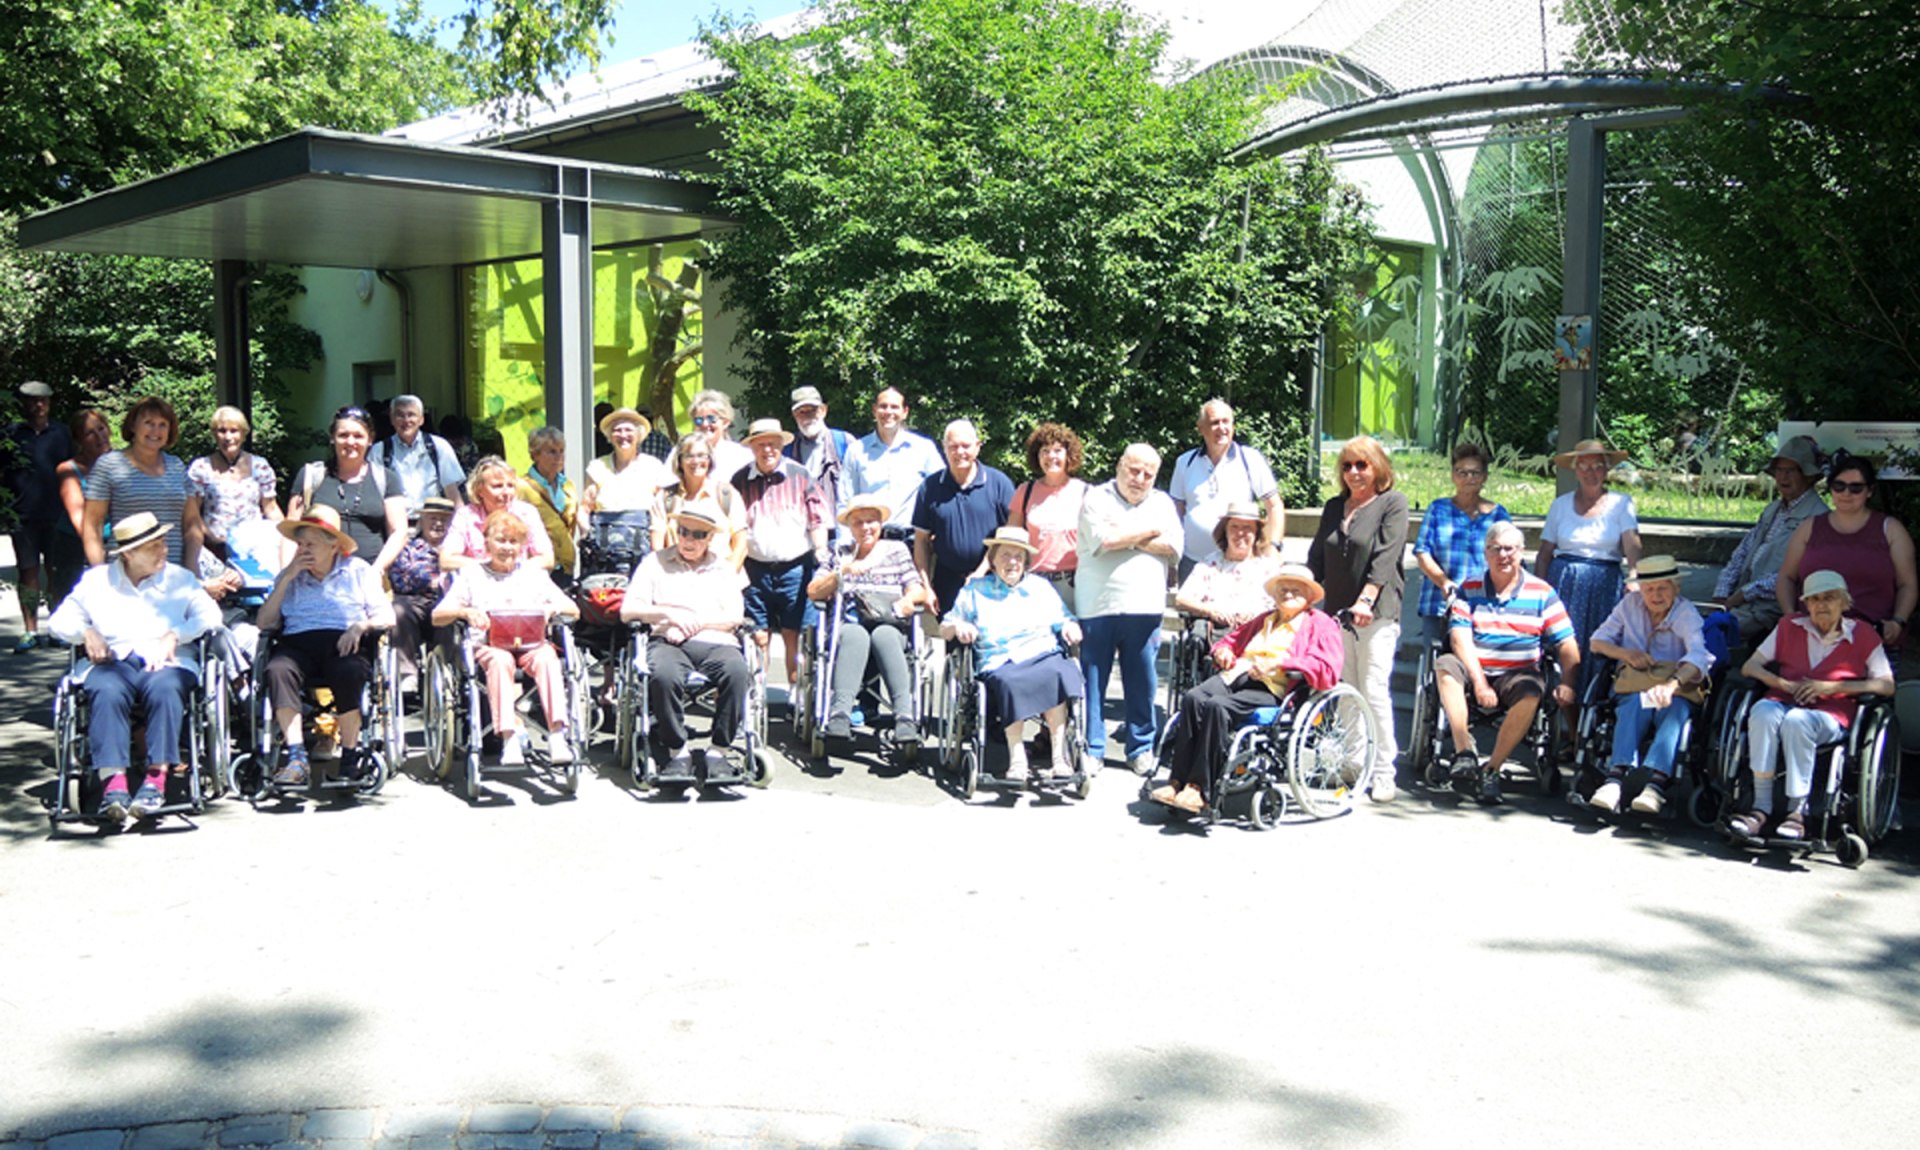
{"x": 1838, "y": 486}
{"x": 694, "y": 533}
{"x": 1468, "y": 473}
{"x": 706, "y": 420}
{"x": 1354, "y": 465}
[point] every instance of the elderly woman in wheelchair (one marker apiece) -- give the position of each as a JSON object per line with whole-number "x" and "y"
{"x": 1260, "y": 663}
{"x": 874, "y": 591}
{"x": 130, "y": 617}
{"x": 507, "y": 603}
{"x": 325, "y": 603}
{"x": 1659, "y": 642}
{"x": 1015, "y": 627}
{"x": 1814, "y": 667}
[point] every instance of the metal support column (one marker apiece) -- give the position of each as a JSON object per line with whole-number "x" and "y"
{"x": 232, "y": 381}
{"x": 1580, "y": 290}
{"x": 566, "y": 267}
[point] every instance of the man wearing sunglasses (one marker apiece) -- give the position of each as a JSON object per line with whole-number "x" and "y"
{"x": 690, "y": 597}
{"x": 1746, "y": 584}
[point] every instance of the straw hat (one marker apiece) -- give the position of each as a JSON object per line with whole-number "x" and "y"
{"x": 700, "y": 514}
{"x": 134, "y": 530}
{"x": 625, "y": 415}
{"x": 1245, "y": 509}
{"x": 1295, "y": 573}
{"x": 1010, "y": 537}
{"x": 1657, "y": 567}
{"x": 767, "y": 429}
{"x": 437, "y": 505}
{"x": 867, "y": 502}
{"x": 1589, "y": 447}
{"x": 321, "y": 518}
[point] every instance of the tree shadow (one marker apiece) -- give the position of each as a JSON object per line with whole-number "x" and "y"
{"x": 1149, "y": 1095}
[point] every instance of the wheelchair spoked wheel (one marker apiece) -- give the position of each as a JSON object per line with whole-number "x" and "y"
{"x": 968, "y": 772}
{"x": 217, "y": 734}
{"x": 1330, "y": 751}
{"x": 470, "y": 788}
{"x": 1876, "y": 784}
{"x": 1266, "y": 806}
{"x": 1420, "y": 723}
{"x": 437, "y": 714}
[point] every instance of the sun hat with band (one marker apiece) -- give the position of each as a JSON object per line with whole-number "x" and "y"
{"x": 867, "y": 502}
{"x": 700, "y": 515}
{"x": 320, "y": 518}
{"x": 1652, "y": 567}
{"x": 1010, "y": 537}
{"x": 1589, "y": 447}
{"x": 625, "y": 415}
{"x": 437, "y": 505}
{"x": 134, "y": 530}
{"x": 1295, "y": 573}
{"x": 767, "y": 429}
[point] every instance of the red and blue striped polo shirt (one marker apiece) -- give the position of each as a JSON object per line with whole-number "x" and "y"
{"x": 1508, "y": 632}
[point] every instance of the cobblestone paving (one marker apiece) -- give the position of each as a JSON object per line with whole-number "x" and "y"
{"x": 515, "y": 1126}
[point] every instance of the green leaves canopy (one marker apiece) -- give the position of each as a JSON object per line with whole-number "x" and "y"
{"x": 999, "y": 207}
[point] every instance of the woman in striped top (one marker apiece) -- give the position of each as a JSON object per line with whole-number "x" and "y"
{"x": 142, "y": 476}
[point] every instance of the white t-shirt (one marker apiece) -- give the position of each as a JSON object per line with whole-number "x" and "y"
{"x": 1595, "y": 536}
{"x": 1206, "y": 488}
{"x": 631, "y": 489}
{"x": 1130, "y": 582}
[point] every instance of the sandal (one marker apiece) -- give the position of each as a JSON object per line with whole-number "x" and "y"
{"x": 1190, "y": 801}
{"x": 1747, "y": 825}
{"x": 1165, "y": 795}
{"x": 1793, "y": 828}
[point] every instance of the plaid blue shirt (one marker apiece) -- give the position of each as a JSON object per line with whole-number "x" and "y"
{"x": 1458, "y": 542}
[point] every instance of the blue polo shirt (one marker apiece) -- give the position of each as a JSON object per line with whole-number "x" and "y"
{"x": 960, "y": 519}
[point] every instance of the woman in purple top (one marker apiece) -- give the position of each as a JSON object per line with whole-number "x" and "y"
{"x": 1870, "y": 549}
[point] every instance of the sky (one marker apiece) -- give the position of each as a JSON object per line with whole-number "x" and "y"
{"x": 642, "y": 27}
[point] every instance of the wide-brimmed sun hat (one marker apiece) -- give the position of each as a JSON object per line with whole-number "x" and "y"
{"x": 767, "y": 429}
{"x": 137, "y": 529}
{"x": 625, "y": 415}
{"x": 1011, "y": 537}
{"x": 1589, "y": 447}
{"x": 1295, "y": 573}
{"x": 321, "y": 518}
{"x": 1802, "y": 452}
{"x": 702, "y": 514}
{"x": 1653, "y": 567}
{"x": 437, "y": 505}
{"x": 867, "y": 502}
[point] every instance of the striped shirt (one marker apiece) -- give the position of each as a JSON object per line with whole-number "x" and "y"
{"x": 1457, "y": 540}
{"x": 127, "y": 490}
{"x": 888, "y": 570}
{"x": 1508, "y": 632}
{"x": 783, "y": 505}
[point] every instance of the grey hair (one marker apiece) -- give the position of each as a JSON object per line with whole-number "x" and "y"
{"x": 1503, "y": 529}
{"x": 225, "y": 414}
{"x": 400, "y": 401}
{"x": 546, "y": 437}
{"x": 1215, "y": 402}
{"x": 713, "y": 399}
{"x": 961, "y": 425}
{"x": 1143, "y": 452}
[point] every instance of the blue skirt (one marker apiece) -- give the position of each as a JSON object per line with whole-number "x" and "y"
{"x": 1022, "y": 690}
{"x": 1590, "y": 588}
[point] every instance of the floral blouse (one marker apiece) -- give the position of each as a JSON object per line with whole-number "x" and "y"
{"x": 230, "y": 496}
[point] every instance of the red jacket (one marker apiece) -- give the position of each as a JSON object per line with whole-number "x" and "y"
{"x": 1317, "y": 652}
{"x": 1793, "y": 653}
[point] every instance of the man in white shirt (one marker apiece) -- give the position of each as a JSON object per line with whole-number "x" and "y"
{"x": 892, "y": 462}
{"x": 426, "y": 464}
{"x": 1218, "y": 472}
{"x": 131, "y": 615}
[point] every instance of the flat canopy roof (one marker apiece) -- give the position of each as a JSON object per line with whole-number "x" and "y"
{"x": 335, "y": 199}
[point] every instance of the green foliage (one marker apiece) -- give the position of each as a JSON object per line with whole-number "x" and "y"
{"x": 515, "y": 49}
{"x": 994, "y": 205}
{"x": 1800, "y": 215}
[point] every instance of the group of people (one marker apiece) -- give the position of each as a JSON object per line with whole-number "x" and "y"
{"x": 764, "y": 531}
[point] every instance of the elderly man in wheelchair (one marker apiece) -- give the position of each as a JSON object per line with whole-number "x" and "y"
{"x": 691, "y": 599}
{"x": 130, "y": 617}
{"x": 1498, "y": 627}
{"x": 325, "y": 603}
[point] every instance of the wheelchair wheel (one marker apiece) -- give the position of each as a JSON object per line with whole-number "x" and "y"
{"x": 625, "y": 708}
{"x": 1426, "y": 712}
{"x": 1266, "y": 806}
{"x": 1851, "y": 849}
{"x": 1876, "y": 771}
{"x": 217, "y": 734}
{"x": 437, "y": 713}
{"x": 1330, "y": 751}
{"x": 969, "y": 772}
{"x": 760, "y": 769}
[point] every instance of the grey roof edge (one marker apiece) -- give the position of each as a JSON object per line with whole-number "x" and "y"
{"x": 321, "y": 152}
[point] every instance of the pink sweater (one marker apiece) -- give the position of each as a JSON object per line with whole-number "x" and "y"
{"x": 1317, "y": 652}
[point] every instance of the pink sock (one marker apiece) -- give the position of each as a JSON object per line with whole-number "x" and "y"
{"x": 156, "y": 776}
{"x": 117, "y": 782}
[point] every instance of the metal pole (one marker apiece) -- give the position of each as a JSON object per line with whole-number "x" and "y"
{"x": 1580, "y": 291}
{"x": 232, "y": 381}
{"x": 566, "y": 267}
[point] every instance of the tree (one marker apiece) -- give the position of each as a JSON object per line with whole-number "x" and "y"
{"x": 1797, "y": 213}
{"x": 999, "y": 206}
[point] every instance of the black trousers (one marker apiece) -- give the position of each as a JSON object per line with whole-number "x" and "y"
{"x": 669, "y": 666}
{"x": 312, "y": 659}
{"x": 1209, "y": 715}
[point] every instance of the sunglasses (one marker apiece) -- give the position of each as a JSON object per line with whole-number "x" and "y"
{"x": 1468, "y": 473}
{"x": 1354, "y": 465}
{"x": 352, "y": 412}
{"x": 1853, "y": 488}
{"x": 706, "y": 421}
{"x": 694, "y": 533}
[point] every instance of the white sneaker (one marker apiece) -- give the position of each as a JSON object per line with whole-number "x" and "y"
{"x": 1382, "y": 789}
{"x": 1650, "y": 801}
{"x": 513, "y": 752}
{"x": 559, "y": 750}
{"x": 1091, "y": 763}
{"x": 1606, "y": 797}
{"x": 1144, "y": 764}
{"x": 1017, "y": 763}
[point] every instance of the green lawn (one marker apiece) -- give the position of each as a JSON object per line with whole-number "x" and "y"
{"x": 1526, "y": 489}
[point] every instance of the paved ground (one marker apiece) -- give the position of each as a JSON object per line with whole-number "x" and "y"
{"x": 860, "y": 959}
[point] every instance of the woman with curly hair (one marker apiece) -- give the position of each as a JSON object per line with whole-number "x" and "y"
{"x": 1048, "y": 505}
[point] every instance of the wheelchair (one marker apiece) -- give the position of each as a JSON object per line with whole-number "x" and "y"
{"x": 811, "y": 693}
{"x": 380, "y": 734}
{"x": 963, "y": 752}
{"x": 1690, "y": 787}
{"x": 1189, "y": 663}
{"x": 633, "y": 730}
{"x": 1431, "y": 745}
{"x": 455, "y": 715}
{"x": 1856, "y": 780}
{"x": 77, "y": 788}
{"x": 614, "y": 545}
{"x": 1306, "y": 756}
